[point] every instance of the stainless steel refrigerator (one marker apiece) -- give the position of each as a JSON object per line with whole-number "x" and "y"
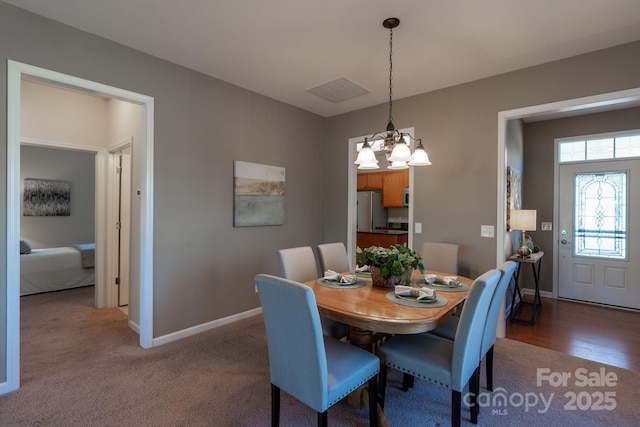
{"x": 371, "y": 213}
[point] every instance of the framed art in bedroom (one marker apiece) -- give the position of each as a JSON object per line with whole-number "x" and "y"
{"x": 46, "y": 197}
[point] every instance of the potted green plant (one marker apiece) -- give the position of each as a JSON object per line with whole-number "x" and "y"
{"x": 389, "y": 266}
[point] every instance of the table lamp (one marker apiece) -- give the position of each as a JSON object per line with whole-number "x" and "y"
{"x": 524, "y": 220}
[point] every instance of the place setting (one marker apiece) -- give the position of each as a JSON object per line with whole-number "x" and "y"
{"x": 442, "y": 283}
{"x": 412, "y": 296}
{"x": 363, "y": 271}
{"x": 333, "y": 279}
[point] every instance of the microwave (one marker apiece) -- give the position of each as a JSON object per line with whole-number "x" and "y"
{"x": 405, "y": 196}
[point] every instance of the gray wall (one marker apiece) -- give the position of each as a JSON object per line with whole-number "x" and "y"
{"x": 538, "y": 184}
{"x": 78, "y": 168}
{"x": 203, "y": 267}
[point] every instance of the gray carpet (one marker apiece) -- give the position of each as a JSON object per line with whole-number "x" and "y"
{"x": 83, "y": 367}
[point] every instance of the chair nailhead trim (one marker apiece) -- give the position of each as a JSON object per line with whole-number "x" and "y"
{"x": 407, "y": 371}
{"x": 349, "y": 392}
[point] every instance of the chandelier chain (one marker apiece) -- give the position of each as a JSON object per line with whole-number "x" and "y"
{"x": 396, "y": 144}
{"x": 390, "y": 74}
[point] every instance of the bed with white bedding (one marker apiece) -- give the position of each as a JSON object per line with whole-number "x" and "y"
{"x": 53, "y": 269}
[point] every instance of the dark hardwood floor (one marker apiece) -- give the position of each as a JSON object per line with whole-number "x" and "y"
{"x": 598, "y": 333}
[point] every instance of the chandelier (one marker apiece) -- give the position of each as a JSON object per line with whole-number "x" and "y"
{"x": 394, "y": 143}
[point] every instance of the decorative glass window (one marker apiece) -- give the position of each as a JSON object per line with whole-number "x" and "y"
{"x": 600, "y": 148}
{"x": 600, "y": 225}
{"x": 572, "y": 151}
{"x": 628, "y": 146}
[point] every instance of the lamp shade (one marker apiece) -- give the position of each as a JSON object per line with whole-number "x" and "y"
{"x": 523, "y": 219}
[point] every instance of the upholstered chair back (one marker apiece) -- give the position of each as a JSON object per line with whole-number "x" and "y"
{"x": 333, "y": 256}
{"x": 489, "y": 337}
{"x": 468, "y": 339}
{"x": 297, "y": 357}
{"x": 298, "y": 264}
{"x": 441, "y": 257}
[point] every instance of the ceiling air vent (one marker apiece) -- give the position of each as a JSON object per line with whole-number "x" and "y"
{"x": 338, "y": 90}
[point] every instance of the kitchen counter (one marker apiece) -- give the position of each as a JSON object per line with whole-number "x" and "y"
{"x": 382, "y": 237}
{"x": 386, "y": 231}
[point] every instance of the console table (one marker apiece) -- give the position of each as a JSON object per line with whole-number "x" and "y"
{"x": 535, "y": 259}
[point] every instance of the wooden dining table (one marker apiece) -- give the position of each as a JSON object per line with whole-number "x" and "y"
{"x": 367, "y": 308}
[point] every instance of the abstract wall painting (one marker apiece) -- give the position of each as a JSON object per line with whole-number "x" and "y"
{"x": 44, "y": 197}
{"x": 514, "y": 192}
{"x": 258, "y": 194}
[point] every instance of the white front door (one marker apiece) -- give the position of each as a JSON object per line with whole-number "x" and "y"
{"x": 599, "y": 216}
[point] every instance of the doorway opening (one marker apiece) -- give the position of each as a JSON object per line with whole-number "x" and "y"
{"x": 143, "y": 237}
{"x": 352, "y": 211}
{"x": 573, "y": 107}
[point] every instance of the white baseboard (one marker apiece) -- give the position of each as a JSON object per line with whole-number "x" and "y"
{"x": 529, "y": 291}
{"x": 175, "y": 336}
{"x": 6, "y": 387}
{"x": 134, "y": 326}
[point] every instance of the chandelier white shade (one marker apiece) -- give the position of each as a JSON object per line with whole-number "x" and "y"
{"x": 394, "y": 143}
{"x": 367, "y": 157}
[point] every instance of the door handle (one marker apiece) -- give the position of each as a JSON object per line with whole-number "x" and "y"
{"x": 565, "y": 242}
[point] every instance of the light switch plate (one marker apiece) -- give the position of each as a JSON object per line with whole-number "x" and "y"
{"x": 486, "y": 231}
{"x": 546, "y": 226}
{"x": 418, "y": 227}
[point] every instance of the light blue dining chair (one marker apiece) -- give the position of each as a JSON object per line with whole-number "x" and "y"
{"x": 317, "y": 370}
{"x": 299, "y": 264}
{"x": 452, "y": 364}
{"x": 449, "y": 327}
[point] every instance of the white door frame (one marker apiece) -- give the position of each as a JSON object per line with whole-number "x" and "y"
{"x": 577, "y": 106}
{"x": 113, "y": 198}
{"x": 15, "y": 72}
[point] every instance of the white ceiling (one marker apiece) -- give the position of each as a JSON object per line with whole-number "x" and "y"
{"x": 282, "y": 48}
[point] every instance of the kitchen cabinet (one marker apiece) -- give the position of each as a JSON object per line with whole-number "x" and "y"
{"x": 364, "y": 240}
{"x": 393, "y": 184}
{"x": 370, "y": 181}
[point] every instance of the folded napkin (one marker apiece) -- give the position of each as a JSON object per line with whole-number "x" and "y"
{"x": 363, "y": 269}
{"x": 333, "y": 276}
{"x": 450, "y": 281}
{"x": 419, "y": 293}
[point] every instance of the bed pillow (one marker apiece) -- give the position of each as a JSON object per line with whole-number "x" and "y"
{"x": 25, "y": 247}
